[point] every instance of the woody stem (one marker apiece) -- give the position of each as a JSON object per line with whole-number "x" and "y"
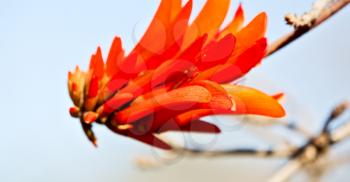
{"x": 325, "y": 14}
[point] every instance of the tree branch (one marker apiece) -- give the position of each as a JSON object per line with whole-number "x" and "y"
{"x": 301, "y": 30}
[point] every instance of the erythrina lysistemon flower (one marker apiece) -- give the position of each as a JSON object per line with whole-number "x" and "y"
{"x": 178, "y": 73}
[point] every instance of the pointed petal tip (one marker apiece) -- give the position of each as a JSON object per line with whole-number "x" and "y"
{"x": 117, "y": 39}
{"x": 98, "y": 51}
{"x": 70, "y": 74}
{"x": 90, "y": 117}
{"x": 240, "y": 10}
{"x": 278, "y": 96}
{"x": 275, "y": 110}
{"x": 74, "y": 111}
{"x": 278, "y": 112}
{"x": 188, "y": 3}
{"x": 94, "y": 143}
{"x": 262, "y": 17}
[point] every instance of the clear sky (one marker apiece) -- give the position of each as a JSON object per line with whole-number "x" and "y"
{"x": 41, "y": 40}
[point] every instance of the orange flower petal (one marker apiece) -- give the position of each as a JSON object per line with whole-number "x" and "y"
{"x": 115, "y": 103}
{"x": 175, "y": 9}
{"x": 254, "y": 31}
{"x": 175, "y": 33}
{"x": 175, "y": 100}
{"x": 115, "y": 56}
{"x": 127, "y": 70}
{"x": 193, "y": 126}
{"x": 114, "y": 84}
{"x": 194, "y": 49}
{"x": 217, "y": 52}
{"x": 236, "y": 24}
{"x": 220, "y": 103}
{"x": 251, "y": 101}
{"x": 93, "y": 87}
{"x": 181, "y": 64}
{"x": 207, "y": 74}
{"x": 180, "y": 24}
{"x": 193, "y": 115}
{"x": 208, "y": 21}
{"x": 128, "y": 66}
{"x": 151, "y": 94}
{"x": 154, "y": 39}
{"x": 162, "y": 109}
{"x": 242, "y": 64}
{"x": 97, "y": 64}
{"x": 220, "y": 99}
{"x": 139, "y": 85}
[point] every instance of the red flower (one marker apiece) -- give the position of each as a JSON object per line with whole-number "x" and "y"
{"x": 175, "y": 75}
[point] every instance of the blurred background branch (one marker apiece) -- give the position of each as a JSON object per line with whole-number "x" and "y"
{"x": 298, "y": 157}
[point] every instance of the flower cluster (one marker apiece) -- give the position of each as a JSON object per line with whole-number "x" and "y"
{"x": 178, "y": 73}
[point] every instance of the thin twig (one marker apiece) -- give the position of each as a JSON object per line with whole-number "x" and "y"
{"x": 298, "y": 32}
{"x": 237, "y": 152}
{"x": 341, "y": 133}
{"x": 149, "y": 162}
{"x": 316, "y": 147}
{"x": 337, "y": 111}
{"x": 286, "y": 171}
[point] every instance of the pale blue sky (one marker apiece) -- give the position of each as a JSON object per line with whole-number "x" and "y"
{"x": 41, "y": 40}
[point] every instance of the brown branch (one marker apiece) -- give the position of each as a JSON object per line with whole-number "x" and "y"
{"x": 299, "y": 31}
